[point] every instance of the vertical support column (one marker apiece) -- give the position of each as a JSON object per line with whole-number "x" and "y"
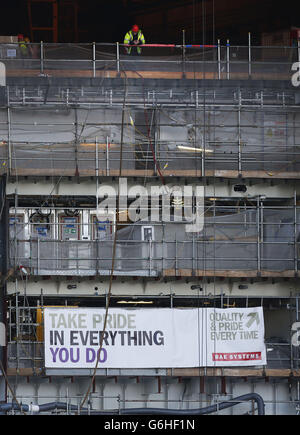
{"x": 107, "y": 156}
{"x": 219, "y": 60}
{"x": 295, "y": 235}
{"x": 183, "y": 54}
{"x": 97, "y": 174}
{"x": 228, "y": 58}
{"x": 262, "y": 233}
{"x": 258, "y": 236}
{"x": 16, "y": 246}
{"x": 94, "y": 59}
{"x": 55, "y": 21}
{"x": 96, "y": 159}
{"x": 176, "y": 264}
{"x": 30, "y": 20}
{"x": 17, "y": 328}
{"x": 239, "y": 136}
{"x": 249, "y": 55}
{"x": 150, "y": 257}
{"x": 9, "y": 133}
{"x": 42, "y": 58}
{"x": 193, "y": 255}
{"x": 3, "y": 270}
{"x": 155, "y": 138}
{"x": 294, "y": 351}
{"x": 38, "y": 256}
{"x": 203, "y": 168}
{"x": 118, "y": 59}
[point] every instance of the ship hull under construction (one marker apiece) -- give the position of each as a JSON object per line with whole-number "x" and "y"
{"x": 150, "y": 228}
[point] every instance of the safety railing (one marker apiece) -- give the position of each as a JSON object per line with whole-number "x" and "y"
{"x": 276, "y": 158}
{"x": 25, "y": 331}
{"x": 252, "y": 241}
{"x": 140, "y": 258}
{"x": 215, "y": 61}
{"x": 193, "y": 132}
{"x": 26, "y": 352}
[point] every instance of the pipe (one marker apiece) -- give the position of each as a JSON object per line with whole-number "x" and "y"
{"x": 9, "y": 406}
{"x": 57, "y": 405}
{"x": 4, "y": 407}
{"x": 207, "y": 410}
{"x": 36, "y": 408}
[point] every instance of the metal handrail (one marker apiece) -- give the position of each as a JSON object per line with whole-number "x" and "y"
{"x": 223, "y": 57}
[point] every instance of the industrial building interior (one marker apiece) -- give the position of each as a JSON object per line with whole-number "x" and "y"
{"x": 80, "y": 120}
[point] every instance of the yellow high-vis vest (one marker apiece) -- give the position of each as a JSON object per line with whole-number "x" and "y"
{"x": 129, "y": 38}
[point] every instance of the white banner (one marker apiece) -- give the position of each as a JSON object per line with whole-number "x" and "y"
{"x": 154, "y": 338}
{"x": 235, "y": 337}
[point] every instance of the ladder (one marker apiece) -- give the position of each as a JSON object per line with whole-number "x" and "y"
{"x": 60, "y": 20}
{"x": 53, "y": 28}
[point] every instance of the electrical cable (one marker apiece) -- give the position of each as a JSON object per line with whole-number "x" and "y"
{"x": 11, "y": 389}
{"x": 108, "y": 296}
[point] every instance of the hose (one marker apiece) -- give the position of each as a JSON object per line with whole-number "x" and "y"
{"x": 4, "y": 407}
{"x": 207, "y": 410}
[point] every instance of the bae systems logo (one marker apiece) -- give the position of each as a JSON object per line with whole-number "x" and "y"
{"x": 296, "y": 75}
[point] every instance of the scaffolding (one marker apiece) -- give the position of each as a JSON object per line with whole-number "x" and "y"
{"x": 212, "y": 132}
{"x": 253, "y": 239}
{"x": 73, "y": 112}
{"x": 216, "y": 61}
{"x": 25, "y": 358}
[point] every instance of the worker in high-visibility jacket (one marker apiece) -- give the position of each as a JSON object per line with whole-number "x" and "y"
{"x": 134, "y": 38}
{"x": 22, "y": 45}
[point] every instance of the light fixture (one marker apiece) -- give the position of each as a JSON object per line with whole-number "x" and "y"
{"x": 229, "y": 305}
{"x": 193, "y": 149}
{"x": 71, "y": 286}
{"x": 196, "y": 287}
{"x": 240, "y": 188}
{"x": 99, "y": 145}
